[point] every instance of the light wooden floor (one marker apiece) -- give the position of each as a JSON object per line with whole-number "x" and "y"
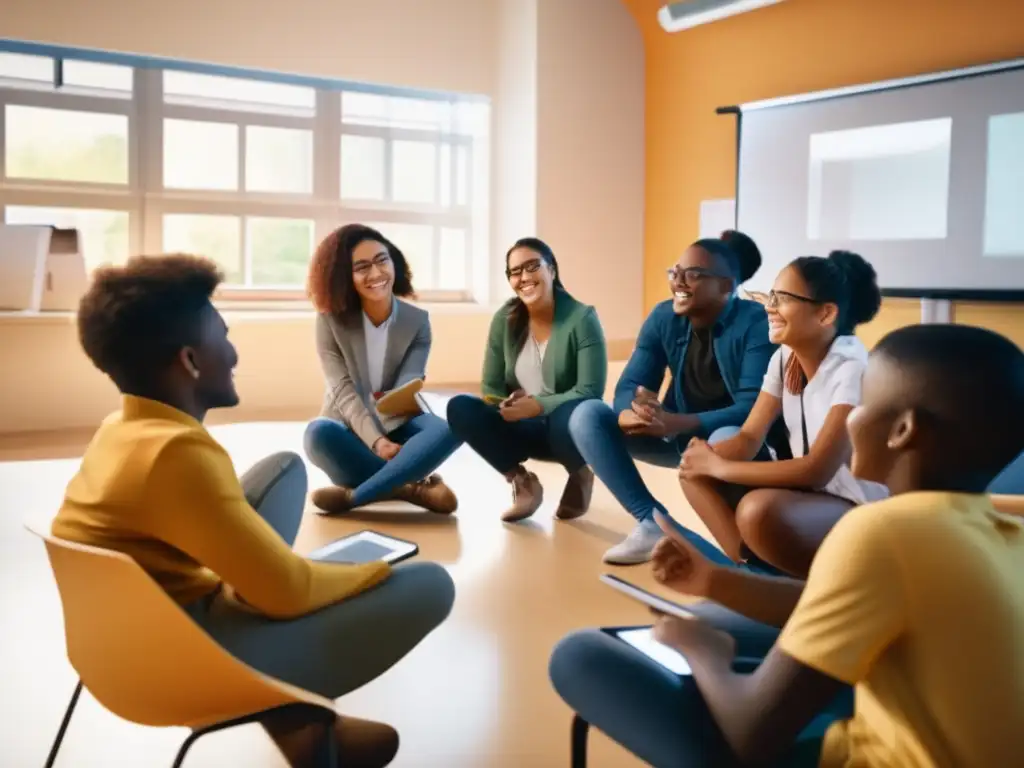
{"x": 475, "y": 694}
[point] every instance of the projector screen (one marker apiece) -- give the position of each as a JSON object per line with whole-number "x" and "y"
{"x": 924, "y": 178}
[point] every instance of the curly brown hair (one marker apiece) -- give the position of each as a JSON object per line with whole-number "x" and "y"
{"x": 135, "y": 318}
{"x": 330, "y": 286}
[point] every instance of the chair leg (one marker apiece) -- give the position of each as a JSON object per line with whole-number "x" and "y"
{"x": 186, "y": 746}
{"x": 580, "y": 728}
{"x": 52, "y": 758}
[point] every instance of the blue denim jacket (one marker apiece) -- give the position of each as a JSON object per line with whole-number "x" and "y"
{"x": 742, "y": 350}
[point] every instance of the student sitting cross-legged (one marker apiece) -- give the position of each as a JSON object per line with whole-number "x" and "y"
{"x": 546, "y": 355}
{"x": 715, "y": 348}
{"x": 779, "y": 511}
{"x": 916, "y": 600}
{"x": 370, "y": 342}
{"x": 156, "y": 486}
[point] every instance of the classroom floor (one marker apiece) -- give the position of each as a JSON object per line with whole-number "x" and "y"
{"x": 474, "y": 694}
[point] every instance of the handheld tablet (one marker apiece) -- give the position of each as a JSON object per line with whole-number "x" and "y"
{"x": 642, "y": 639}
{"x": 493, "y": 399}
{"x": 647, "y": 598}
{"x": 365, "y": 547}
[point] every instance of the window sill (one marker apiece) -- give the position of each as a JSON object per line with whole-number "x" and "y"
{"x": 235, "y": 310}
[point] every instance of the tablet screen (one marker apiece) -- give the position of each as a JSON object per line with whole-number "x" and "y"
{"x": 642, "y": 640}
{"x": 365, "y": 547}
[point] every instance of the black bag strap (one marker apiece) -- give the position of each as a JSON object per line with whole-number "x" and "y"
{"x": 803, "y": 418}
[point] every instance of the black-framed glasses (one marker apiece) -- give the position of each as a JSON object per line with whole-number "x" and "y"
{"x": 380, "y": 260}
{"x": 775, "y": 298}
{"x": 689, "y": 275}
{"x": 530, "y": 267}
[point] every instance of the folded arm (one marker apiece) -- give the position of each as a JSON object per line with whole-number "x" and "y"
{"x": 197, "y": 505}
{"x": 591, "y": 365}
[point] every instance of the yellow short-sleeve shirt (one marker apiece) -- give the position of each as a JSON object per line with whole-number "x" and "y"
{"x": 918, "y": 601}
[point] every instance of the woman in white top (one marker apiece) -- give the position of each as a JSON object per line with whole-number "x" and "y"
{"x": 545, "y": 355}
{"x": 778, "y": 512}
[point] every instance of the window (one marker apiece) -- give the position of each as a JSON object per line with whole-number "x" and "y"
{"x": 65, "y": 145}
{"x": 199, "y": 155}
{"x": 251, "y": 170}
{"x": 104, "y": 233}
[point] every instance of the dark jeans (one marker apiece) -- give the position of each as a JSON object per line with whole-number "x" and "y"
{"x": 426, "y": 443}
{"x": 505, "y": 445}
{"x": 658, "y": 715}
{"x": 340, "y": 647}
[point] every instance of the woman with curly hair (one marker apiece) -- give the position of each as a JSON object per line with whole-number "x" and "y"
{"x": 371, "y": 343}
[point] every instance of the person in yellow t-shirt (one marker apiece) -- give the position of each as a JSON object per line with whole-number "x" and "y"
{"x": 916, "y": 601}
{"x": 155, "y": 485}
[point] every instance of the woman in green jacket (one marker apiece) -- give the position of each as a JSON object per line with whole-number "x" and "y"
{"x": 546, "y": 354}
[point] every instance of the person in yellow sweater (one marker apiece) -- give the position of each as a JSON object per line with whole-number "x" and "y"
{"x": 916, "y": 601}
{"x": 155, "y": 485}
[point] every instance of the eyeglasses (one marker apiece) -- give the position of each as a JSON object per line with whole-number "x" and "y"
{"x": 380, "y": 260}
{"x": 775, "y": 298}
{"x": 689, "y": 275}
{"x": 529, "y": 267}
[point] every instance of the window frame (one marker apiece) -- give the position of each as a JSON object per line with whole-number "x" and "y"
{"x": 146, "y": 200}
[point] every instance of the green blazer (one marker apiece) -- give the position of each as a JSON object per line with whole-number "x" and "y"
{"x": 575, "y": 362}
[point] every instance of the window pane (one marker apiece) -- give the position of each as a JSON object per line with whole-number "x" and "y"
{"x": 362, "y": 168}
{"x": 445, "y": 170}
{"x": 104, "y": 234}
{"x": 24, "y": 66}
{"x": 237, "y": 93}
{"x": 416, "y": 242}
{"x": 67, "y": 146}
{"x": 395, "y": 111}
{"x": 462, "y": 176}
{"x": 413, "y": 171}
{"x": 278, "y": 160}
{"x": 453, "y": 267}
{"x": 216, "y": 237}
{"x": 89, "y": 74}
{"x": 279, "y": 250}
{"x": 200, "y": 155}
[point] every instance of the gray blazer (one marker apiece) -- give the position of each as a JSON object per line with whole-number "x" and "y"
{"x": 341, "y": 345}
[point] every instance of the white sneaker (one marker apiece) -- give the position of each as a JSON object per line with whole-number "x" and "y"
{"x": 637, "y": 547}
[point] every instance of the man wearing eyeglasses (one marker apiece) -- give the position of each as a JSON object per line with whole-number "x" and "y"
{"x": 715, "y": 348}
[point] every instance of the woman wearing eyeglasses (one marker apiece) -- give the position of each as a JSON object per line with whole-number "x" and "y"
{"x": 371, "y": 343}
{"x": 545, "y": 355}
{"x": 780, "y": 511}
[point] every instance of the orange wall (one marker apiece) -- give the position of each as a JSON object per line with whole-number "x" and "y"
{"x": 794, "y": 47}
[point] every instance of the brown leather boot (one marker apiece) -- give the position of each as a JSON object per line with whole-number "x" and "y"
{"x": 332, "y": 500}
{"x": 527, "y": 496}
{"x": 575, "y": 499}
{"x": 431, "y": 494}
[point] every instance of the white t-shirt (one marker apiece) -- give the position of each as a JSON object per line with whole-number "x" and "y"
{"x": 530, "y": 366}
{"x": 376, "y": 337}
{"x": 837, "y": 382}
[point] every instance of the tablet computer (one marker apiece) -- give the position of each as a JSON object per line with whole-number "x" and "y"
{"x": 647, "y": 598}
{"x": 642, "y": 640}
{"x": 365, "y": 547}
{"x": 401, "y": 401}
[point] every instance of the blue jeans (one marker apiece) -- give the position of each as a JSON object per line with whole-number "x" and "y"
{"x": 426, "y": 443}
{"x": 658, "y": 715}
{"x": 505, "y": 445}
{"x": 594, "y": 428}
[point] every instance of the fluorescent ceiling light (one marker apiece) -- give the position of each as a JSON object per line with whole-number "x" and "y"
{"x": 674, "y": 24}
